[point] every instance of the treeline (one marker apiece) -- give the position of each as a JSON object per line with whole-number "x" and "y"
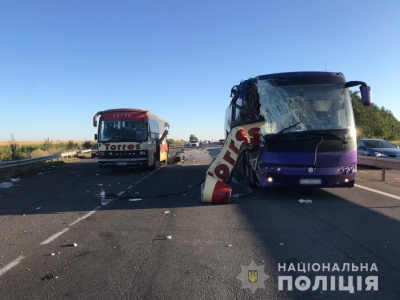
{"x": 374, "y": 122}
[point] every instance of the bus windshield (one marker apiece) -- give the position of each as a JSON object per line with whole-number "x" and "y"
{"x": 122, "y": 131}
{"x": 312, "y": 106}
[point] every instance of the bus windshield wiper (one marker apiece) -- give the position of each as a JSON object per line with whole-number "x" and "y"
{"x": 338, "y": 136}
{"x": 287, "y": 128}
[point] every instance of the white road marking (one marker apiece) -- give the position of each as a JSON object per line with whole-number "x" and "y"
{"x": 378, "y": 192}
{"x": 85, "y": 216}
{"x": 11, "y": 265}
{"x": 54, "y": 236}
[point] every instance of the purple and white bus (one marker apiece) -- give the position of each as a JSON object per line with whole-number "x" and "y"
{"x": 304, "y": 133}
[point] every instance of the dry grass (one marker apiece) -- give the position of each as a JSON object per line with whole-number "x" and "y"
{"x": 27, "y": 143}
{"x": 397, "y": 143}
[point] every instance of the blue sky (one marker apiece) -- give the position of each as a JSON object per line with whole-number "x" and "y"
{"x": 63, "y": 61}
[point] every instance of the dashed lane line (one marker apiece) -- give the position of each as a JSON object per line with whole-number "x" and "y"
{"x": 376, "y": 191}
{"x": 11, "y": 265}
{"x": 54, "y": 236}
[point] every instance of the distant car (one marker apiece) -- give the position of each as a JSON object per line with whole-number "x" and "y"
{"x": 194, "y": 144}
{"x": 377, "y": 148}
{"x": 95, "y": 152}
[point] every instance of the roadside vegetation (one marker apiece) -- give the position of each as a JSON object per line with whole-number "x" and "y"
{"x": 375, "y": 122}
{"x": 14, "y": 150}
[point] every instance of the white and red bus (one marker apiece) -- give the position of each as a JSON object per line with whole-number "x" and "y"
{"x": 129, "y": 137}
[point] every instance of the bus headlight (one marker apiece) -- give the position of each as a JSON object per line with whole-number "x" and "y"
{"x": 142, "y": 153}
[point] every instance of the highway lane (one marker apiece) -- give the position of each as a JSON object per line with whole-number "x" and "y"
{"x": 123, "y": 250}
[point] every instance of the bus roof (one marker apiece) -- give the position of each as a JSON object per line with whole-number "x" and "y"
{"x": 308, "y": 77}
{"x": 133, "y": 110}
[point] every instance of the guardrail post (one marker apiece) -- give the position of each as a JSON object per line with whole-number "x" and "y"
{"x": 384, "y": 174}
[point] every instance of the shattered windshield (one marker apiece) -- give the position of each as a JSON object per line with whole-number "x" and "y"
{"x": 122, "y": 131}
{"x": 313, "y": 106}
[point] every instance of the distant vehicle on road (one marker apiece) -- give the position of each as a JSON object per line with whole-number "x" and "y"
{"x": 377, "y": 148}
{"x": 194, "y": 144}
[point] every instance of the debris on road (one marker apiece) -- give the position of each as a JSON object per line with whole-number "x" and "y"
{"x": 40, "y": 174}
{"x": 169, "y": 237}
{"x": 69, "y": 245}
{"x": 47, "y": 277}
{"x": 6, "y": 185}
{"x": 308, "y": 201}
{"x": 38, "y": 207}
{"x": 136, "y": 199}
{"x": 14, "y": 179}
{"x": 166, "y": 212}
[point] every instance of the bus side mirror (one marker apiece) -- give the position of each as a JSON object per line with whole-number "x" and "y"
{"x": 95, "y": 136}
{"x": 366, "y": 95}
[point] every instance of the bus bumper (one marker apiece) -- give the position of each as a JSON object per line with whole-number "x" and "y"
{"x": 311, "y": 177}
{"x": 119, "y": 163}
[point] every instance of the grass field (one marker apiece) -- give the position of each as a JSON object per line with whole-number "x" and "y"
{"x": 14, "y": 150}
{"x": 25, "y": 143}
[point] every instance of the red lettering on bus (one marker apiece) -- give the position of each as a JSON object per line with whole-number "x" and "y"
{"x": 138, "y": 146}
{"x": 130, "y": 146}
{"x": 222, "y": 172}
{"x": 113, "y": 147}
{"x": 241, "y": 135}
{"x": 107, "y": 145}
{"x": 233, "y": 147}
{"x": 254, "y": 134}
{"x": 227, "y": 157}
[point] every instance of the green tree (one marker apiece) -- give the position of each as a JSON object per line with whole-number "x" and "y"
{"x": 374, "y": 122}
{"x": 193, "y": 137}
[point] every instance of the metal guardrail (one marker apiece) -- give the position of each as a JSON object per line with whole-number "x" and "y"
{"x": 384, "y": 163}
{"x": 21, "y": 162}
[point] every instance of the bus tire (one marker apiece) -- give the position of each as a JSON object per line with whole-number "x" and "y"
{"x": 153, "y": 165}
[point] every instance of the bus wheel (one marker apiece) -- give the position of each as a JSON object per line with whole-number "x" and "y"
{"x": 154, "y": 163}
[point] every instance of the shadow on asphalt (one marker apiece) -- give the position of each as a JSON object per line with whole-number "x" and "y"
{"x": 331, "y": 229}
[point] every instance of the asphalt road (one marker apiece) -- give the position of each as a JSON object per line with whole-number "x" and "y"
{"x": 59, "y": 242}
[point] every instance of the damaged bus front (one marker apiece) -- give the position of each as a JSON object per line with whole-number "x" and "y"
{"x": 297, "y": 130}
